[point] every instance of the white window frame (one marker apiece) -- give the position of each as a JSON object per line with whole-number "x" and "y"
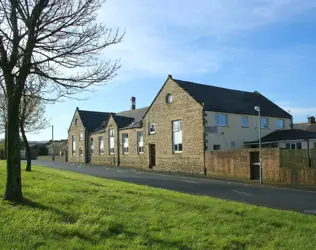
{"x": 283, "y": 124}
{"x": 244, "y": 118}
{"x": 111, "y": 141}
{"x": 267, "y": 124}
{"x": 221, "y": 120}
{"x": 177, "y": 140}
{"x": 101, "y": 145}
{"x": 91, "y": 145}
{"x": 125, "y": 143}
{"x": 73, "y": 147}
{"x": 81, "y": 136}
{"x": 140, "y": 143}
{"x": 152, "y": 128}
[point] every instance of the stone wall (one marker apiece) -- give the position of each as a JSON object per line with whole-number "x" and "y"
{"x": 133, "y": 158}
{"x": 236, "y": 163}
{"x": 185, "y": 108}
{"x": 106, "y": 158}
{"x": 75, "y": 130}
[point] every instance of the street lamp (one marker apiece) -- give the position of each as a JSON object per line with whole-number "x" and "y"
{"x": 257, "y": 108}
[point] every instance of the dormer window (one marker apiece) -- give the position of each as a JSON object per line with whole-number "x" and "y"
{"x": 169, "y": 99}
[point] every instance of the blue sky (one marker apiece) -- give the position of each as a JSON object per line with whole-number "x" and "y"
{"x": 263, "y": 45}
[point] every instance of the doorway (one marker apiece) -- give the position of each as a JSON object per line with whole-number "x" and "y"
{"x": 254, "y": 166}
{"x": 152, "y": 155}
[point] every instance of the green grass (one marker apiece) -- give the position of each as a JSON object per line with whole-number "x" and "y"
{"x": 72, "y": 211}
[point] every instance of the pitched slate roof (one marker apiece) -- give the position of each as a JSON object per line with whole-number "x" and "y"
{"x": 97, "y": 121}
{"x": 231, "y": 101}
{"x": 130, "y": 118}
{"x": 305, "y": 126}
{"x": 285, "y": 135}
{"x": 93, "y": 120}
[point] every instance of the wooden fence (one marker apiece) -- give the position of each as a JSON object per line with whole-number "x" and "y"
{"x": 297, "y": 158}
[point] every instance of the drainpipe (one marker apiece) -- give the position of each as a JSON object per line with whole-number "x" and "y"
{"x": 118, "y": 146}
{"x": 309, "y": 157}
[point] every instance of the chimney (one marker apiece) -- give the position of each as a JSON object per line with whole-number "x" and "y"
{"x": 311, "y": 119}
{"x": 133, "y": 103}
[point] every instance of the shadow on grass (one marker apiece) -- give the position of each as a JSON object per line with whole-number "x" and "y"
{"x": 66, "y": 217}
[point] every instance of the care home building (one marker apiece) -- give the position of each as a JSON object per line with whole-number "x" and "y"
{"x": 184, "y": 120}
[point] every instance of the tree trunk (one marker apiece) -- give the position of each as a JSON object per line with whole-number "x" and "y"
{"x": 27, "y": 149}
{"x": 13, "y": 190}
{"x": 5, "y": 140}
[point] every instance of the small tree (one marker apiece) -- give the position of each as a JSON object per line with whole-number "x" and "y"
{"x": 32, "y": 120}
{"x": 57, "y": 41}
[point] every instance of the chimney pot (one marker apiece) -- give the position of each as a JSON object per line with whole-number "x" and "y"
{"x": 311, "y": 119}
{"x": 133, "y": 102}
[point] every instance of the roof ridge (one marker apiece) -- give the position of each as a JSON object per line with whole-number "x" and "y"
{"x": 213, "y": 86}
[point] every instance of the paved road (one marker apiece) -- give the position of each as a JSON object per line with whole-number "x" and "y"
{"x": 288, "y": 199}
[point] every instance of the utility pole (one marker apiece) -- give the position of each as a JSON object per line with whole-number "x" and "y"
{"x": 52, "y": 145}
{"x": 257, "y": 108}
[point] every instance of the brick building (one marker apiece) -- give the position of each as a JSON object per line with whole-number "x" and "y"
{"x": 183, "y": 122}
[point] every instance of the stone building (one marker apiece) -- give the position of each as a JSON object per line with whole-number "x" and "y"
{"x": 184, "y": 121}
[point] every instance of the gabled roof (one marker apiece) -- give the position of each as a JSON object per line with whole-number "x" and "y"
{"x": 130, "y": 118}
{"x": 93, "y": 120}
{"x": 285, "y": 135}
{"x": 231, "y": 101}
{"x": 97, "y": 121}
{"x": 306, "y": 126}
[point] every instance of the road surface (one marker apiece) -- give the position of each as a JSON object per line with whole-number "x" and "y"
{"x": 280, "y": 198}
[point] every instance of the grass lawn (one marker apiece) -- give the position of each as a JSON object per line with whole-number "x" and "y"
{"x": 66, "y": 210}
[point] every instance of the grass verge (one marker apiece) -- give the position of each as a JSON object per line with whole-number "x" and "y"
{"x": 66, "y": 210}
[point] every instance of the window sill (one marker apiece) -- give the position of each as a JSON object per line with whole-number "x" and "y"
{"x": 244, "y": 126}
{"x": 177, "y": 152}
{"x": 152, "y": 133}
{"x": 140, "y": 153}
{"x": 111, "y": 153}
{"x": 101, "y": 153}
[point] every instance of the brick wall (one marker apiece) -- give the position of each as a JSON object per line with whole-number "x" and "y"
{"x": 75, "y": 130}
{"x": 185, "y": 108}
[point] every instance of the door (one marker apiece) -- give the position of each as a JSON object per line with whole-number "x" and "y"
{"x": 254, "y": 166}
{"x": 152, "y": 155}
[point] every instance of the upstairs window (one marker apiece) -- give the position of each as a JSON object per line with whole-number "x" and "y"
{"x": 177, "y": 136}
{"x": 169, "y": 99}
{"x": 244, "y": 121}
{"x": 73, "y": 145}
{"x": 101, "y": 145}
{"x": 125, "y": 143}
{"x": 279, "y": 124}
{"x": 81, "y": 136}
{"x": 140, "y": 143}
{"x": 152, "y": 128}
{"x": 76, "y": 121}
{"x": 111, "y": 141}
{"x": 91, "y": 145}
{"x": 221, "y": 120}
{"x": 264, "y": 123}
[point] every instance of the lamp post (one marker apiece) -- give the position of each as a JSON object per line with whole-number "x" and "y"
{"x": 257, "y": 108}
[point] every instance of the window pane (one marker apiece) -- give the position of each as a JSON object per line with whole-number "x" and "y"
{"x": 244, "y": 122}
{"x": 280, "y": 124}
{"x": 264, "y": 123}
{"x": 217, "y": 147}
{"x": 298, "y": 145}
{"x": 221, "y": 120}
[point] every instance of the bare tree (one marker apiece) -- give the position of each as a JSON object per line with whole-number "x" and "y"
{"x": 58, "y": 41}
{"x": 32, "y": 120}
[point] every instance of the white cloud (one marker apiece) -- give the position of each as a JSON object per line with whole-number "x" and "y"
{"x": 162, "y": 36}
{"x": 299, "y": 113}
